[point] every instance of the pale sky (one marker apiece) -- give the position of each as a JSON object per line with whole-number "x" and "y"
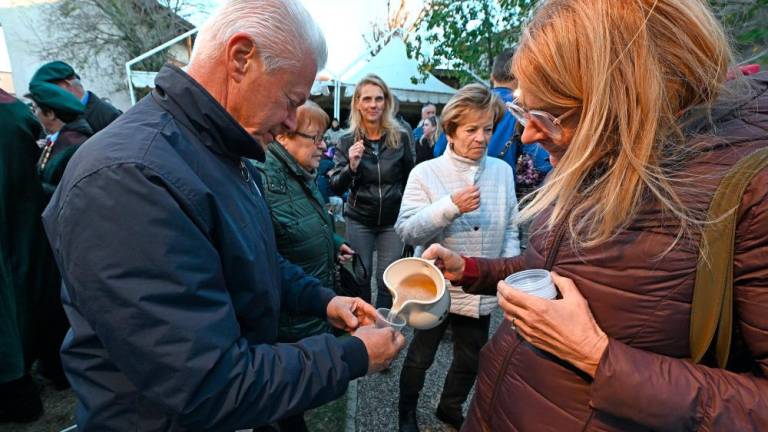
{"x": 5, "y": 62}
{"x": 343, "y": 22}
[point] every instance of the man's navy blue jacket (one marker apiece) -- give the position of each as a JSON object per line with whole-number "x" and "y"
{"x": 173, "y": 283}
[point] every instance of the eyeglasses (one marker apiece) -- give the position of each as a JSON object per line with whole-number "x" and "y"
{"x": 317, "y": 139}
{"x": 552, "y": 125}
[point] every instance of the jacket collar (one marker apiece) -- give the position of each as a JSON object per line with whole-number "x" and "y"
{"x": 506, "y": 94}
{"x": 79, "y": 125}
{"x": 465, "y": 165}
{"x": 743, "y": 101}
{"x": 190, "y": 104}
{"x": 282, "y": 155}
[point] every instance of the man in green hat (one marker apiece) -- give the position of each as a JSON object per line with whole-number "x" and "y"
{"x": 98, "y": 113}
{"x": 60, "y": 113}
{"x": 27, "y": 270}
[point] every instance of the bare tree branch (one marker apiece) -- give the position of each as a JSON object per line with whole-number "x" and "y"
{"x": 104, "y": 34}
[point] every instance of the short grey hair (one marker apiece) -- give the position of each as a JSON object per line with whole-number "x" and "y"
{"x": 282, "y": 30}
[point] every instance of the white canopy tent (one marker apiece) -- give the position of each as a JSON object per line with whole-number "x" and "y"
{"x": 396, "y": 69}
{"x": 391, "y": 64}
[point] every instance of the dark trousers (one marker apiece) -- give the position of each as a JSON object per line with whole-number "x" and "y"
{"x": 469, "y": 336}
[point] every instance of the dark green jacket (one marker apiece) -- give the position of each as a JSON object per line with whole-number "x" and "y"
{"x": 28, "y": 274}
{"x": 304, "y": 229}
{"x": 70, "y": 137}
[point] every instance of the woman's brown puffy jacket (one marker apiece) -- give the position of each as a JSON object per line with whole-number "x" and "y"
{"x": 643, "y": 304}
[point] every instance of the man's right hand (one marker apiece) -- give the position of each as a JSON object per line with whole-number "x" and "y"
{"x": 355, "y": 154}
{"x": 448, "y": 261}
{"x": 382, "y": 344}
{"x": 467, "y": 199}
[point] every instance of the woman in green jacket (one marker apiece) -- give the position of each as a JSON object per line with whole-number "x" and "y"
{"x": 304, "y": 229}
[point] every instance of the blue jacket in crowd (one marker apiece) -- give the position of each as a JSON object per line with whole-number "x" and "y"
{"x": 502, "y": 134}
{"x": 173, "y": 283}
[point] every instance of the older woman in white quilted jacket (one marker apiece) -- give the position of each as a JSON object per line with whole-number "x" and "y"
{"x": 465, "y": 201}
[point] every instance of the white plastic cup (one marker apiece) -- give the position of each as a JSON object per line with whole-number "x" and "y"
{"x": 383, "y": 320}
{"x": 536, "y": 282}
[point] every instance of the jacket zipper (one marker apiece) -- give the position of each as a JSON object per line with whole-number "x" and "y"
{"x": 554, "y": 245}
{"x": 325, "y": 217}
{"x": 381, "y": 199}
{"x": 502, "y": 372}
{"x": 244, "y": 173}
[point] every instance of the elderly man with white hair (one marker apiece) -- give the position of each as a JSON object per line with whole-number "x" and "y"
{"x": 172, "y": 280}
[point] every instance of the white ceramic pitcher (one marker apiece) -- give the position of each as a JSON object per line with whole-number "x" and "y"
{"x": 419, "y": 314}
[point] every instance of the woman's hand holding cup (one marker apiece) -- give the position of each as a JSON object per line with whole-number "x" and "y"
{"x": 564, "y": 327}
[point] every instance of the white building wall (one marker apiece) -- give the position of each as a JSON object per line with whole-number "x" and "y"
{"x": 26, "y": 30}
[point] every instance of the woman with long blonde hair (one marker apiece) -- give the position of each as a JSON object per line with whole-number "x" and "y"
{"x": 425, "y": 147}
{"x": 632, "y": 102}
{"x": 372, "y": 162}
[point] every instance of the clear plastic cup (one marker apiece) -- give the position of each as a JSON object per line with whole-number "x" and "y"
{"x": 536, "y": 282}
{"x": 384, "y": 320}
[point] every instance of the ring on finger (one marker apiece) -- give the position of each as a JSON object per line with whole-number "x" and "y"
{"x": 514, "y": 327}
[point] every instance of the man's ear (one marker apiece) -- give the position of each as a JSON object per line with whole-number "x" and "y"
{"x": 242, "y": 56}
{"x": 49, "y": 115}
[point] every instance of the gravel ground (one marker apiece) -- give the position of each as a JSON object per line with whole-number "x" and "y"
{"x": 370, "y": 404}
{"x": 59, "y": 411}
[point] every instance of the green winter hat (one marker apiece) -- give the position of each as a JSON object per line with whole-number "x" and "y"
{"x": 54, "y": 71}
{"x": 55, "y": 97}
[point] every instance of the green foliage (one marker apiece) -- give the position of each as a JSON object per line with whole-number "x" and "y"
{"x": 465, "y": 36}
{"x": 746, "y": 22}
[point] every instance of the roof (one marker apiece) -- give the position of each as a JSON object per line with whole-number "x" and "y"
{"x": 396, "y": 69}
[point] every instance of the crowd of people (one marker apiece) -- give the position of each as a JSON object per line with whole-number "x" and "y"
{"x": 178, "y": 265}
{"x": 38, "y": 141}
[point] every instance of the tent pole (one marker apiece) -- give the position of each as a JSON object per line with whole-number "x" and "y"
{"x": 130, "y": 84}
{"x": 337, "y": 100}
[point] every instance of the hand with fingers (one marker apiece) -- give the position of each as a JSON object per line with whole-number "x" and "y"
{"x": 383, "y": 346}
{"x": 563, "y": 327}
{"x": 467, "y": 199}
{"x": 350, "y": 313}
{"x": 448, "y": 261}
{"x": 355, "y": 155}
{"x": 345, "y": 253}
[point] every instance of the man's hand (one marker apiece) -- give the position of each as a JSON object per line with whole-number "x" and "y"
{"x": 349, "y": 313}
{"x": 355, "y": 154}
{"x": 467, "y": 199}
{"x": 383, "y": 345}
{"x": 345, "y": 253}
{"x": 448, "y": 261}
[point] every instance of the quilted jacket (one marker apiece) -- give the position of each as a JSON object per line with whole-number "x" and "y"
{"x": 643, "y": 302}
{"x": 304, "y": 231}
{"x": 428, "y": 215}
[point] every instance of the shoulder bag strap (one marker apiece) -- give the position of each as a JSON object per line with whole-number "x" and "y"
{"x": 712, "y": 306}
